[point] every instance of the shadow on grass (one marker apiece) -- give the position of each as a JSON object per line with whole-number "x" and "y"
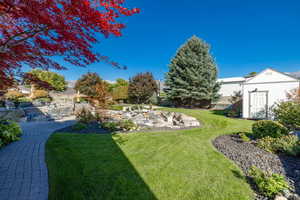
{"x": 219, "y": 112}
{"x": 92, "y": 167}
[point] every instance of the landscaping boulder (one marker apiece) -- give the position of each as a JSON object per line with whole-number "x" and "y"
{"x": 155, "y": 119}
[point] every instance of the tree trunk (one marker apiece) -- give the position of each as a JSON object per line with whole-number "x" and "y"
{"x": 32, "y": 91}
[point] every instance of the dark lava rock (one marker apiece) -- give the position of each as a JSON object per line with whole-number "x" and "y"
{"x": 246, "y": 155}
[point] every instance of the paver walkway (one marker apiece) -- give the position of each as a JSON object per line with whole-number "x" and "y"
{"x": 23, "y": 171}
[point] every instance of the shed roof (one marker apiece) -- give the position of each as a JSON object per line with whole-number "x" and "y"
{"x": 232, "y": 79}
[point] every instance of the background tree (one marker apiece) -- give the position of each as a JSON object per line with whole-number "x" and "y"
{"x": 192, "y": 76}
{"x": 55, "y": 81}
{"x": 119, "y": 90}
{"x": 251, "y": 74}
{"x": 32, "y": 31}
{"x": 141, "y": 88}
{"x": 86, "y": 84}
{"x": 102, "y": 96}
{"x": 120, "y": 93}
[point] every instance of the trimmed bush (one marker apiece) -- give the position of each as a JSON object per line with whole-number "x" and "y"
{"x": 288, "y": 114}
{"x": 9, "y": 132}
{"x": 268, "y": 184}
{"x": 288, "y": 144}
{"x": 269, "y": 128}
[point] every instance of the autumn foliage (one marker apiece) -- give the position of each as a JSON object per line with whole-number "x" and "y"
{"x": 141, "y": 88}
{"x": 31, "y": 31}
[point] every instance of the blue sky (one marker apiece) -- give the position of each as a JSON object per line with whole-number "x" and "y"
{"x": 244, "y": 35}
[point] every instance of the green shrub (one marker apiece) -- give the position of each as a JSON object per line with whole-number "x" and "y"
{"x": 23, "y": 100}
{"x": 2, "y": 103}
{"x": 269, "y": 128}
{"x": 111, "y": 126}
{"x": 44, "y": 100}
{"x": 244, "y": 137}
{"x": 288, "y": 144}
{"x": 85, "y": 116}
{"x": 116, "y": 107}
{"x": 9, "y": 132}
{"x": 268, "y": 184}
{"x": 79, "y": 126}
{"x": 1, "y": 143}
{"x": 127, "y": 125}
{"x": 124, "y": 125}
{"x": 288, "y": 114}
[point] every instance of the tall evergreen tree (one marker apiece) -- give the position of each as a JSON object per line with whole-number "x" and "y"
{"x": 192, "y": 76}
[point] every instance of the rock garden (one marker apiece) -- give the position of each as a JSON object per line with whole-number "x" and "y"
{"x": 129, "y": 119}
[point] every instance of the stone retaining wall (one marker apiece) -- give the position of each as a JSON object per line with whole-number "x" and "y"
{"x": 39, "y": 111}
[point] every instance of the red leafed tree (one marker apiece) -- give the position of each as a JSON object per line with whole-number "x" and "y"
{"x": 32, "y": 31}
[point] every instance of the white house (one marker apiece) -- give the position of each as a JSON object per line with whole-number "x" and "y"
{"x": 261, "y": 92}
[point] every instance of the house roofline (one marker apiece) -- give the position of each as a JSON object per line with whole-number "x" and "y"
{"x": 274, "y": 70}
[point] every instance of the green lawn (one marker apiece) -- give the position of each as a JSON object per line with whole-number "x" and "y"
{"x": 175, "y": 165}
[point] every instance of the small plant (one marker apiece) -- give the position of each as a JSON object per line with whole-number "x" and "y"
{"x": 23, "y": 100}
{"x": 85, "y": 116}
{"x": 116, "y": 107}
{"x": 127, "y": 125}
{"x": 268, "y": 184}
{"x": 79, "y": 126}
{"x": 244, "y": 137}
{"x": 111, "y": 126}
{"x": 124, "y": 125}
{"x": 45, "y": 100}
{"x": 269, "y": 128}
{"x": 9, "y": 132}
{"x": 1, "y": 143}
{"x": 289, "y": 144}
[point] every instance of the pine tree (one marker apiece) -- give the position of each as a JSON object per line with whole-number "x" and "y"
{"x": 192, "y": 77}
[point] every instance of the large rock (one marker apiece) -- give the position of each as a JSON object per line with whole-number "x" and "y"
{"x": 155, "y": 119}
{"x": 14, "y": 115}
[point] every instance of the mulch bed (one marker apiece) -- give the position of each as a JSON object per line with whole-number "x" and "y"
{"x": 246, "y": 155}
{"x": 91, "y": 128}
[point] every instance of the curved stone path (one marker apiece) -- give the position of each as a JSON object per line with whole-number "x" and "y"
{"x": 23, "y": 170}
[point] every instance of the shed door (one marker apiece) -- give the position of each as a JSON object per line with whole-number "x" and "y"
{"x": 258, "y": 105}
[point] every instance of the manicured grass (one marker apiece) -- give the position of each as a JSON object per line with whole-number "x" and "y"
{"x": 175, "y": 165}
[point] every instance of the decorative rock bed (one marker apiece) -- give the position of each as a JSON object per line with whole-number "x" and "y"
{"x": 151, "y": 119}
{"x": 246, "y": 155}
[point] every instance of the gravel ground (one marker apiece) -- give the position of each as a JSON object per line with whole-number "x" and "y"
{"x": 246, "y": 154}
